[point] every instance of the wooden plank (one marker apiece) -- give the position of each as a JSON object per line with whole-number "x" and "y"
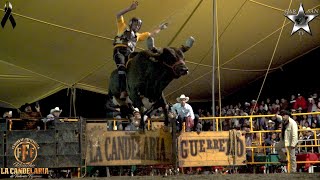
{"x": 109, "y": 148}
{"x": 209, "y": 149}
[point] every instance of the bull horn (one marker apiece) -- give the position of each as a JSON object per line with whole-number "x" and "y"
{"x": 188, "y": 45}
{"x": 150, "y": 43}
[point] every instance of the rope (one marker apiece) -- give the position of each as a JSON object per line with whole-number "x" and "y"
{"x": 28, "y": 70}
{"x": 248, "y": 70}
{"x": 274, "y": 51}
{"x": 232, "y": 18}
{"x": 72, "y": 92}
{"x": 63, "y": 27}
{"x": 74, "y": 95}
{"x": 59, "y": 26}
{"x": 265, "y": 5}
{"x": 184, "y": 24}
{"x": 70, "y": 102}
{"x": 5, "y": 102}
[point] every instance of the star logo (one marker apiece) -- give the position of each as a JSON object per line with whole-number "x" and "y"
{"x": 301, "y": 20}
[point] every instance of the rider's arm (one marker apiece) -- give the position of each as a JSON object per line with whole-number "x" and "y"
{"x": 133, "y": 6}
{"x": 120, "y": 20}
{"x": 158, "y": 29}
{"x": 145, "y": 35}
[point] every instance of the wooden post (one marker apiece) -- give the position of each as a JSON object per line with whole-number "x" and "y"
{"x": 174, "y": 144}
{"x": 115, "y": 125}
{"x": 10, "y": 125}
{"x": 217, "y": 124}
{"x": 289, "y": 163}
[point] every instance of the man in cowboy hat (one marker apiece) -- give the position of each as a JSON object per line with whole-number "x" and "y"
{"x": 56, "y": 112}
{"x": 288, "y": 138}
{"x": 184, "y": 113}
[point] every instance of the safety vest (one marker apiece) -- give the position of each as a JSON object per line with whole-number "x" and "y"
{"x": 127, "y": 38}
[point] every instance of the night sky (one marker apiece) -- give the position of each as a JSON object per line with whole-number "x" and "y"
{"x": 300, "y": 76}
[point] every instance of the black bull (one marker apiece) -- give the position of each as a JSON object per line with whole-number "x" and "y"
{"x": 148, "y": 74}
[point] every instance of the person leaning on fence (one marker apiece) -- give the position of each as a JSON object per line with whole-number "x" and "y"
{"x": 288, "y": 139}
{"x": 184, "y": 113}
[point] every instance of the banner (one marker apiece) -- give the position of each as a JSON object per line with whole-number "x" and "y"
{"x": 210, "y": 149}
{"x": 110, "y": 148}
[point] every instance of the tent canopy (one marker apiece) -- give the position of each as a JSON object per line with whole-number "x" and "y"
{"x": 61, "y": 44}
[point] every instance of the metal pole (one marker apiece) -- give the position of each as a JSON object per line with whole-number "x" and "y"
{"x": 213, "y": 61}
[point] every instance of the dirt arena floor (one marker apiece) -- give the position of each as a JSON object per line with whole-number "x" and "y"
{"x": 227, "y": 177}
{"x": 283, "y": 176}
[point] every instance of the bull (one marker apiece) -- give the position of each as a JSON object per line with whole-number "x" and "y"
{"x": 149, "y": 72}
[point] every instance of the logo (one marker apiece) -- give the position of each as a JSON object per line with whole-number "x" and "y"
{"x": 25, "y": 152}
{"x": 8, "y": 15}
{"x": 301, "y": 19}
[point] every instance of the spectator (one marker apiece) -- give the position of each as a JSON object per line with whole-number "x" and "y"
{"x": 268, "y": 103}
{"x": 300, "y": 103}
{"x": 49, "y": 121}
{"x": 271, "y": 141}
{"x": 7, "y": 114}
{"x": 29, "y": 113}
{"x": 30, "y": 117}
{"x": 309, "y": 139}
{"x": 303, "y": 120}
{"x": 56, "y": 112}
{"x": 292, "y": 101}
{"x": 112, "y": 109}
{"x": 284, "y": 104}
{"x": 312, "y": 107}
{"x": 270, "y": 127}
{"x": 278, "y": 104}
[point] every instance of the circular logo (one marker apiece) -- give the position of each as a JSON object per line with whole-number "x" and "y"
{"x": 26, "y": 151}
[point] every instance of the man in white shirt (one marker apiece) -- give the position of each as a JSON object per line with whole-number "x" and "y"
{"x": 184, "y": 113}
{"x": 288, "y": 138}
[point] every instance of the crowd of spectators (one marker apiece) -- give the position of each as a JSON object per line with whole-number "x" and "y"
{"x": 29, "y": 117}
{"x": 296, "y": 104}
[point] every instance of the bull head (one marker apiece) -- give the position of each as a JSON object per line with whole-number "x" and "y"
{"x": 171, "y": 57}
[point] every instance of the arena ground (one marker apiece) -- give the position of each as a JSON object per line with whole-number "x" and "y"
{"x": 228, "y": 177}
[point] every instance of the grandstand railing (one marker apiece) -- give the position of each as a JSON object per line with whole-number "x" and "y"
{"x": 218, "y": 120}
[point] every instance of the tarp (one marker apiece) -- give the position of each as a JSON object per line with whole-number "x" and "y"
{"x": 64, "y": 43}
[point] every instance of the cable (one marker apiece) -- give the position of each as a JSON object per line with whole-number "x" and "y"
{"x": 184, "y": 24}
{"x": 218, "y": 57}
{"x": 274, "y": 51}
{"x": 248, "y": 70}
